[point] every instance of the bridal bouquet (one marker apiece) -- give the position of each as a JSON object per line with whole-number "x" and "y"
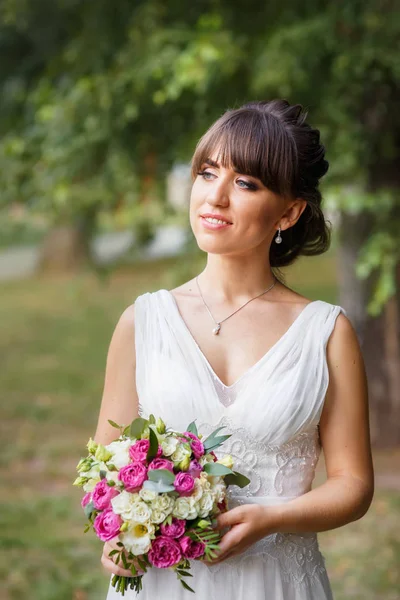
{"x": 158, "y": 491}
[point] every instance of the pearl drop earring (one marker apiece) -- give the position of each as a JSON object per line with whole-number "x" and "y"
{"x": 278, "y": 238}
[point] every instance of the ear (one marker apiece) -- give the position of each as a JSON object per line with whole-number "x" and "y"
{"x": 293, "y": 213}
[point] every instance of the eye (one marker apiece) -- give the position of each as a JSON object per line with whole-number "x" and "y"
{"x": 204, "y": 174}
{"x": 247, "y": 185}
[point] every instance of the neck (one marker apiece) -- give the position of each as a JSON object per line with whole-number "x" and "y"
{"x": 233, "y": 280}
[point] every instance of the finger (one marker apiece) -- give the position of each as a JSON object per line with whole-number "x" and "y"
{"x": 114, "y": 569}
{"x": 229, "y": 518}
{"x": 229, "y": 541}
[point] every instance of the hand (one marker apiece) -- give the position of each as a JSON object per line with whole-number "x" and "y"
{"x": 248, "y": 524}
{"x": 109, "y": 564}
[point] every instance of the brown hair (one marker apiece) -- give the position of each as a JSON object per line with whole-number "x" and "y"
{"x": 272, "y": 142}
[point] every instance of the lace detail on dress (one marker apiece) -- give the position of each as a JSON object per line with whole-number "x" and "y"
{"x": 299, "y": 557}
{"x": 285, "y": 470}
{"x": 277, "y": 474}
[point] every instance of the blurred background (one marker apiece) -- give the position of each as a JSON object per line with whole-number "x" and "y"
{"x": 101, "y": 105}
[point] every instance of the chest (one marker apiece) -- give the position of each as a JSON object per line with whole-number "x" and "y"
{"x": 244, "y": 339}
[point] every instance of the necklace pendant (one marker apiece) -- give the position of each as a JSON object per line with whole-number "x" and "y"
{"x": 217, "y": 329}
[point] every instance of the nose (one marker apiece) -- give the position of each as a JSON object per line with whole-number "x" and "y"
{"x": 218, "y": 193}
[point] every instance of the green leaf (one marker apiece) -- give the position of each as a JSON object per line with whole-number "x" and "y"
{"x": 237, "y": 479}
{"x": 125, "y": 562}
{"x": 192, "y": 428}
{"x": 186, "y": 586}
{"x": 114, "y": 424}
{"x": 137, "y": 427}
{"x": 142, "y": 564}
{"x": 162, "y": 475}
{"x": 152, "y": 420}
{"x": 103, "y": 474}
{"x": 211, "y": 444}
{"x": 216, "y": 469}
{"x": 158, "y": 487}
{"x": 88, "y": 509}
{"x": 184, "y": 573}
{"x": 153, "y": 448}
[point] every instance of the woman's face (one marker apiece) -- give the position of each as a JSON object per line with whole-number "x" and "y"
{"x": 252, "y": 210}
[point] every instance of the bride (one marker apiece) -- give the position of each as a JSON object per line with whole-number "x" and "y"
{"x": 236, "y": 347}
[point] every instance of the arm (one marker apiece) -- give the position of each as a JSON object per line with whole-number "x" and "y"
{"x": 344, "y": 429}
{"x": 120, "y": 401}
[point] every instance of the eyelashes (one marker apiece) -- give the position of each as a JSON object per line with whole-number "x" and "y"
{"x": 249, "y": 186}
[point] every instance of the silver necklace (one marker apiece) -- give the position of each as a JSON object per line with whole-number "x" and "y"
{"x": 217, "y": 329}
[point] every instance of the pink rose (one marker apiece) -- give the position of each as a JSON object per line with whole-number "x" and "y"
{"x": 133, "y": 476}
{"x": 107, "y": 525}
{"x": 190, "y": 548}
{"x": 164, "y": 552}
{"x": 195, "y": 468}
{"x": 102, "y": 495}
{"x": 161, "y": 463}
{"x": 196, "y": 444}
{"x": 175, "y": 530}
{"x": 184, "y": 484}
{"x": 138, "y": 450}
{"x": 86, "y": 499}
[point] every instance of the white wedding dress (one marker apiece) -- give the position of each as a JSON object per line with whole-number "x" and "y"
{"x": 272, "y": 412}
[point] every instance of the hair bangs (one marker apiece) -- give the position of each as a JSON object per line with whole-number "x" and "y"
{"x": 253, "y": 144}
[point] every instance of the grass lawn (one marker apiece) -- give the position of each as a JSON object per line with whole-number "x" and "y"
{"x": 53, "y": 345}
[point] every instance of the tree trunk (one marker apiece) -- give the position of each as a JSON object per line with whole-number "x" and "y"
{"x": 67, "y": 246}
{"x": 379, "y": 336}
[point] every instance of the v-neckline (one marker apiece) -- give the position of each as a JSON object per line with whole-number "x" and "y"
{"x": 256, "y": 364}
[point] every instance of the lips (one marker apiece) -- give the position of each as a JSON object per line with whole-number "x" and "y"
{"x": 213, "y": 216}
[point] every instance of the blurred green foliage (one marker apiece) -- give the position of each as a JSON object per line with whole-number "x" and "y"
{"x": 98, "y": 100}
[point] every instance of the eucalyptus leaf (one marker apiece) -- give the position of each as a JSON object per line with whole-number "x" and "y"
{"x": 162, "y": 475}
{"x": 216, "y": 469}
{"x": 192, "y": 428}
{"x": 158, "y": 487}
{"x": 137, "y": 427}
{"x": 212, "y": 443}
{"x": 88, "y": 509}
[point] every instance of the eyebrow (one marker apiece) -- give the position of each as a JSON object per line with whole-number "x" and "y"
{"x": 213, "y": 163}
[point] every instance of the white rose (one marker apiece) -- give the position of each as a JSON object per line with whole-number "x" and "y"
{"x": 219, "y": 492}
{"x": 164, "y": 503}
{"x": 120, "y": 453}
{"x": 206, "y": 503}
{"x": 157, "y": 516}
{"x": 194, "y": 508}
{"x": 204, "y": 482}
{"x": 182, "y": 508}
{"x": 140, "y": 512}
{"x": 198, "y": 490}
{"x": 124, "y": 503}
{"x": 180, "y": 453}
{"x": 147, "y": 495}
{"x": 169, "y": 445}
